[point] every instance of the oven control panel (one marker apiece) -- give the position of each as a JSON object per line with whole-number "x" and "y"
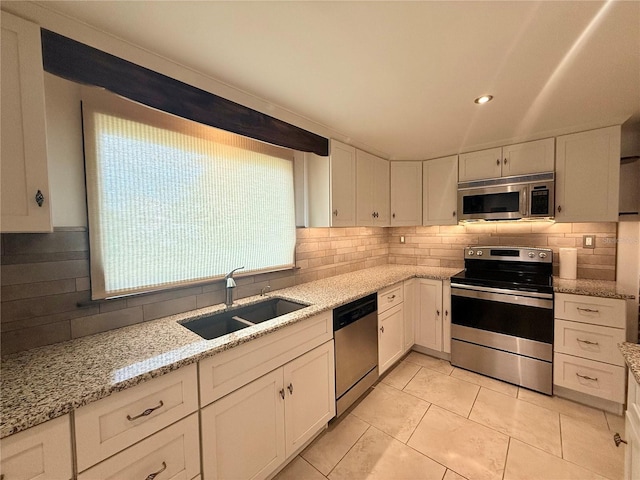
{"x": 516, "y": 254}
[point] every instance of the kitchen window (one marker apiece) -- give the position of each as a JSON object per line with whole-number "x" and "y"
{"x": 172, "y": 202}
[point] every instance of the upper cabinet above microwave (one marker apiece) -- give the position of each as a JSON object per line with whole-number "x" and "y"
{"x": 517, "y": 159}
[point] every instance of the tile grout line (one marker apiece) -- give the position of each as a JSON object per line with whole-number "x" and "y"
{"x": 506, "y": 458}
{"x": 351, "y": 447}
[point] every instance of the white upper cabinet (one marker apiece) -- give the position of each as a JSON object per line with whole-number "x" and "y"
{"x": 588, "y": 176}
{"x": 440, "y": 191}
{"x": 372, "y": 190}
{"x": 406, "y": 194}
{"x": 517, "y": 159}
{"x": 25, "y": 184}
{"x": 331, "y": 187}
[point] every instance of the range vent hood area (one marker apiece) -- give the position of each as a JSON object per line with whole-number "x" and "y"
{"x": 629, "y": 186}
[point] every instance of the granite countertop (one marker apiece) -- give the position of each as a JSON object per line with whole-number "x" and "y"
{"x": 631, "y": 354}
{"x": 47, "y": 382}
{"x": 593, "y": 288}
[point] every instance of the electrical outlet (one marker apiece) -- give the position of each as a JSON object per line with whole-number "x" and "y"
{"x": 401, "y": 238}
{"x": 588, "y": 241}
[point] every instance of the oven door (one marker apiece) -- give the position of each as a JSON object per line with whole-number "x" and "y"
{"x": 504, "y": 202}
{"x": 509, "y": 320}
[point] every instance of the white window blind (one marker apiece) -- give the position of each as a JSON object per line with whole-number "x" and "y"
{"x": 172, "y": 202}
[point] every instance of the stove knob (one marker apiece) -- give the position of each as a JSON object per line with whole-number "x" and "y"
{"x": 543, "y": 255}
{"x": 531, "y": 254}
{"x": 470, "y": 252}
{"x": 479, "y": 253}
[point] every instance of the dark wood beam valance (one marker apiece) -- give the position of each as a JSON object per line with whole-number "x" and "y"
{"x": 81, "y": 63}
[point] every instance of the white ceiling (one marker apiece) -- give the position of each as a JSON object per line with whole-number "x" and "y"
{"x": 399, "y": 78}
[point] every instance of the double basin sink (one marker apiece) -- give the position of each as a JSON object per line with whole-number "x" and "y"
{"x": 234, "y": 319}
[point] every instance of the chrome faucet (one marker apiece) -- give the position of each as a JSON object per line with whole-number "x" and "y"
{"x": 231, "y": 284}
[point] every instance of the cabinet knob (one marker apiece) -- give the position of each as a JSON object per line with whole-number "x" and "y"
{"x": 505, "y": 161}
{"x": 282, "y": 393}
{"x": 617, "y": 440}
{"x": 454, "y": 213}
{"x": 393, "y": 215}
{"x": 382, "y": 329}
{"x": 446, "y": 313}
{"x": 290, "y": 388}
{"x": 559, "y": 208}
{"x": 438, "y": 312}
{"x": 335, "y": 212}
{"x": 39, "y": 198}
{"x": 498, "y": 161}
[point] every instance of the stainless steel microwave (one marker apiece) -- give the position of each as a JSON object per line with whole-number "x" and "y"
{"x": 507, "y": 198}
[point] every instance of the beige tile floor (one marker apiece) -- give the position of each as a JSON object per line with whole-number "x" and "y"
{"x": 428, "y": 420}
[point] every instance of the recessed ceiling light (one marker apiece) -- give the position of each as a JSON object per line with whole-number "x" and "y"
{"x": 483, "y": 99}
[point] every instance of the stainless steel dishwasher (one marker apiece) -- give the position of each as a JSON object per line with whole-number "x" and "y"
{"x": 355, "y": 327}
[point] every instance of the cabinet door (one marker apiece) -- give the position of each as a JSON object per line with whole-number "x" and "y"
{"x": 529, "y": 157}
{"x": 343, "y": 185}
{"x": 390, "y": 337}
{"x": 429, "y": 328}
{"x": 23, "y": 143}
{"x": 310, "y": 395}
{"x": 632, "y": 451}
{"x": 410, "y": 312}
{"x": 588, "y": 176}
{"x": 365, "y": 171}
{"x": 380, "y": 192}
{"x": 446, "y": 319}
{"x": 440, "y": 191}
{"x": 480, "y": 165}
{"x": 406, "y": 194}
{"x": 243, "y": 433}
{"x": 41, "y": 452}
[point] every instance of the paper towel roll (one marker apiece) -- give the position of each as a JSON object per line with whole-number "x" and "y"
{"x": 568, "y": 263}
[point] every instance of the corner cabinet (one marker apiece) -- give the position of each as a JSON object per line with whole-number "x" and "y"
{"x": 406, "y": 194}
{"x": 331, "y": 187}
{"x": 24, "y": 178}
{"x": 588, "y": 176}
{"x": 517, "y": 159}
{"x": 372, "y": 190}
{"x": 440, "y": 191}
{"x": 40, "y": 452}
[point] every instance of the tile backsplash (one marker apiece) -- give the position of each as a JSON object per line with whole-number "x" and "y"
{"x": 45, "y": 286}
{"x": 443, "y": 246}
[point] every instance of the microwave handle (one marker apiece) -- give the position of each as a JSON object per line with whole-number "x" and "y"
{"x": 523, "y": 201}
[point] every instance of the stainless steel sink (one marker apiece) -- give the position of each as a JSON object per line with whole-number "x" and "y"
{"x": 234, "y": 319}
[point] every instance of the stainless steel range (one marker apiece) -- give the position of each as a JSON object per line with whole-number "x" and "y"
{"x": 502, "y": 315}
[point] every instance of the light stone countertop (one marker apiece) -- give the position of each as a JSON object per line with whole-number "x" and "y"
{"x": 631, "y": 354}
{"x": 593, "y": 288}
{"x": 47, "y": 382}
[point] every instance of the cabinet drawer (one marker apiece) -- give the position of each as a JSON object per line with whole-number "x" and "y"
{"x": 43, "y": 451}
{"x": 594, "y": 378}
{"x": 390, "y": 297}
{"x": 223, "y": 373}
{"x": 589, "y": 341}
{"x": 172, "y": 454}
{"x": 113, "y": 423}
{"x": 609, "y": 312}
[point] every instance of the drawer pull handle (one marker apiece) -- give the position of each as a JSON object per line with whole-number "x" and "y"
{"x": 153, "y": 475}
{"x": 588, "y": 342}
{"x": 146, "y": 413}
{"x": 588, "y": 310}
{"x": 391, "y": 297}
{"x": 618, "y": 440}
{"x": 290, "y": 388}
{"x": 586, "y": 377}
{"x": 282, "y": 393}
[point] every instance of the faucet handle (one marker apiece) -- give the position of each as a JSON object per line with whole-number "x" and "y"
{"x": 230, "y": 274}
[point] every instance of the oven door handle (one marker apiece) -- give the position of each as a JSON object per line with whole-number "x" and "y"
{"x": 504, "y": 291}
{"x": 514, "y": 297}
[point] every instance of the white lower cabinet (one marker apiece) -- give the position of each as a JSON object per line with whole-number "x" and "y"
{"x": 249, "y": 433}
{"x": 172, "y": 453}
{"x": 390, "y": 337}
{"x": 632, "y": 431}
{"x": 429, "y": 325}
{"x": 41, "y": 452}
